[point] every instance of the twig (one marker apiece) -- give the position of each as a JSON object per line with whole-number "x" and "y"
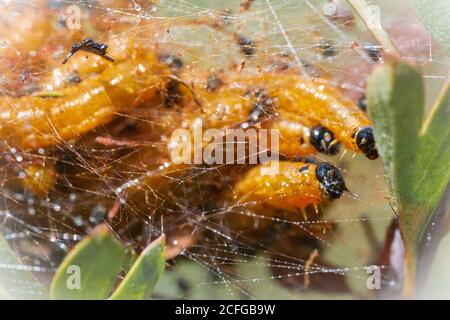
{"x": 308, "y": 264}
{"x": 363, "y": 10}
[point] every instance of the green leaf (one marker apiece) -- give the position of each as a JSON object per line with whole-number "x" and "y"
{"x": 435, "y": 146}
{"x": 130, "y": 258}
{"x": 435, "y": 14}
{"x": 416, "y": 153}
{"x": 96, "y": 262}
{"x": 16, "y": 282}
{"x": 395, "y": 95}
{"x": 144, "y": 274}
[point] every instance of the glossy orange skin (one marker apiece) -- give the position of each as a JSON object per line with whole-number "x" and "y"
{"x": 87, "y": 65}
{"x": 314, "y": 100}
{"x": 40, "y": 178}
{"x": 111, "y": 88}
{"x": 294, "y": 135}
{"x": 288, "y": 189}
{"x": 31, "y": 122}
{"x": 137, "y": 77}
{"x": 300, "y": 104}
{"x": 230, "y": 110}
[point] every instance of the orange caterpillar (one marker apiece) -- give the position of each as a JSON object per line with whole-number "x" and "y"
{"x": 313, "y": 113}
{"x": 31, "y": 122}
{"x": 295, "y": 186}
{"x": 89, "y": 91}
{"x": 308, "y": 111}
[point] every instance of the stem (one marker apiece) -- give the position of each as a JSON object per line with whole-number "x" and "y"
{"x": 364, "y": 11}
{"x": 410, "y": 273}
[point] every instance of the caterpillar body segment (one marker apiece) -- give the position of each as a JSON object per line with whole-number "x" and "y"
{"x": 243, "y": 107}
{"x": 312, "y": 111}
{"x": 300, "y": 136}
{"x": 31, "y": 122}
{"x": 293, "y": 138}
{"x": 295, "y": 185}
{"x": 318, "y": 101}
{"x": 83, "y": 66}
{"x": 271, "y": 97}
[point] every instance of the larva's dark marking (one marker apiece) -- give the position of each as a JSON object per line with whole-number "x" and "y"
{"x": 213, "y": 83}
{"x": 326, "y": 48}
{"x": 73, "y": 77}
{"x": 263, "y": 106}
{"x": 246, "y": 45}
{"x": 323, "y": 140}
{"x": 304, "y": 168}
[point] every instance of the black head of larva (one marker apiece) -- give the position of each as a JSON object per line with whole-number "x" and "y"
{"x": 331, "y": 181}
{"x": 323, "y": 140}
{"x": 366, "y": 142}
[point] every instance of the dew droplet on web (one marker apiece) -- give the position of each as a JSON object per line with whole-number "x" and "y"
{"x": 72, "y": 197}
{"x": 78, "y": 221}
